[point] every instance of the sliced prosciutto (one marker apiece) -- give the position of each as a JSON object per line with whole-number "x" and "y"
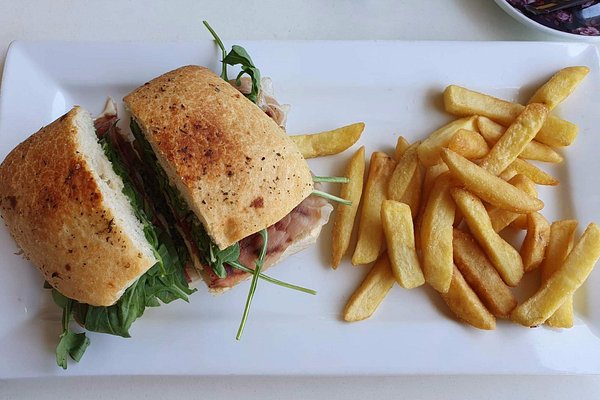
{"x": 266, "y": 100}
{"x": 293, "y": 233}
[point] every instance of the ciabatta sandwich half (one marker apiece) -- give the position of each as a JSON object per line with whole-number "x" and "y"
{"x": 70, "y": 205}
{"x": 227, "y": 171}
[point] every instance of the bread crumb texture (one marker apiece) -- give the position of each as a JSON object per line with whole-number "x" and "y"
{"x": 54, "y": 205}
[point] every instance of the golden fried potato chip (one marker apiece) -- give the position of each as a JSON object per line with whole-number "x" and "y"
{"x": 401, "y": 146}
{"x": 436, "y": 235}
{"x": 562, "y": 236}
{"x": 399, "y": 233}
{"x": 560, "y": 86}
{"x": 489, "y": 187}
{"x": 463, "y": 102}
{"x": 371, "y": 292}
{"x": 535, "y": 242}
{"x": 431, "y": 175}
{"x": 534, "y": 150}
{"x": 503, "y": 256}
{"x": 370, "y": 242}
{"x": 534, "y": 173}
{"x": 481, "y": 275}
{"x": 412, "y": 194}
{"x": 518, "y": 135}
{"x": 465, "y": 304}
{"x": 429, "y": 149}
{"x": 345, "y": 216}
{"x": 502, "y": 218}
{"x": 469, "y": 144}
{"x": 403, "y": 173}
{"x": 328, "y": 142}
{"x": 563, "y": 282}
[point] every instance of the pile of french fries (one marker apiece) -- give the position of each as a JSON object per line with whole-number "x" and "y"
{"x": 435, "y": 211}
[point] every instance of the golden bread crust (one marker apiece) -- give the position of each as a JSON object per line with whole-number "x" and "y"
{"x": 236, "y": 168}
{"x": 54, "y": 210}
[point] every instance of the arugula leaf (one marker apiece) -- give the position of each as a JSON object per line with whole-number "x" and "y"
{"x": 160, "y": 176}
{"x": 210, "y": 252}
{"x": 237, "y": 265}
{"x": 70, "y": 343}
{"x": 259, "y": 264}
{"x": 332, "y": 179}
{"x": 59, "y": 299}
{"x": 117, "y": 319}
{"x": 73, "y": 344}
{"x": 222, "y": 47}
{"x": 238, "y": 56}
{"x": 230, "y": 254}
{"x": 331, "y": 197}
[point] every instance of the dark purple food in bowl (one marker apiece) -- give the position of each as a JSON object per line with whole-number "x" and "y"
{"x": 583, "y": 19}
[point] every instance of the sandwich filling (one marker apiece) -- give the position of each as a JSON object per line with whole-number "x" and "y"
{"x": 163, "y": 282}
{"x": 218, "y": 266}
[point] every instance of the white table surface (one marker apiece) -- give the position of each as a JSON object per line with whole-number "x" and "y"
{"x": 308, "y": 19}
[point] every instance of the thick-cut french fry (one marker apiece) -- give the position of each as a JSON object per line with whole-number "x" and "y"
{"x": 520, "y": 133}
{"x": 429, "y": 149}
{"x": 436, "y": 235}
{"x": 346, "y": 215}
{"x": 401, "y": 146}
{"x": 520, "y": 222}
{"x": 502, "y": 218}
{"x": 399, "y": 233}
{"x": 562, "y": 234}
{"x": 399, "y": 189}
{"x": 560, "y": 86}
{"x": 431, "y": 175}
{"x": 468, "y": 144}
{"x": 540, "y": 152}
{"x": 503, "y": 256}
{"x": 403, "y": 173}
{"x": 508, "y": 174}
{"x": 489, "y": 187}
{"x": 534, "y": 150}
{"x": 370, "y": 232}
{"x": 328, "y": 142}
{"x": 540, "y": 177}
{"x": 464, "y": 102}
{"x": 465, "y": 304}
{"x": 535, "y": 242}
{"x": 412, "y": 194}
{"x": 371, "y": 292}
{"x": 458, "y": 218}
{"x": 563, "y": 282}
{"x": 481, "y": 275}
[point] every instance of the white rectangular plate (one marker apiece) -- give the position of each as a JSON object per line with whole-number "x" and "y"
{"x": 395, "y": 88}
